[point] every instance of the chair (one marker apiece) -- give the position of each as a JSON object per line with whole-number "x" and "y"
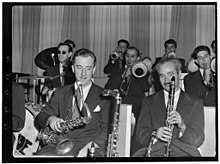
{"x": 208, "y": 148}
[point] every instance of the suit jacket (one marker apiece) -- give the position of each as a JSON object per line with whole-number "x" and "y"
{"x": 156, "y": 81}
{"x": 54, "y": 71}
{"x": 95, "y": 131}
{"x": 111, "y": 68}
{"x": 194, "y": 85}
{"x": 153, "y": 116}
{"x": 136, "y": 92}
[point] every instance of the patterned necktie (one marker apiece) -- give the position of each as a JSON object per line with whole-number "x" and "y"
{"x": 77, "y": 104}
{"x": 62, "y": 76}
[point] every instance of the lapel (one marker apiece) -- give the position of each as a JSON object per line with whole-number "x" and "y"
{"x": 68, "y": 102}
{"x": 184, "y": 106}
{"x": 159, "y": 104}
{"x": 92, "y": 98}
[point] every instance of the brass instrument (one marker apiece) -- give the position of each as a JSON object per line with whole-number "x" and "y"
{"x": 114, "y": 136}
{"x": 211, "y": 74}
{"x": 64, "y": 145}
{"x": 170, "y": 108}
{"x": 114, "y": 55}
{"x": 141, "y": 68}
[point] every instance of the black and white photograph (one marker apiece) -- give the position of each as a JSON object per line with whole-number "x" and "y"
{"x": 109, "y": 82}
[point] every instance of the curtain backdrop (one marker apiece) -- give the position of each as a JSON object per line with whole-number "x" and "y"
{"x": 108, "y": 24}
{"x": 99, "y": 27}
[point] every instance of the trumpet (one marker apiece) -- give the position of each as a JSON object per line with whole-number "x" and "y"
{"x": 141, "y": 68}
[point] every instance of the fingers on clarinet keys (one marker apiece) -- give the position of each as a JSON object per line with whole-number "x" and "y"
{"x": 164, "y": 134}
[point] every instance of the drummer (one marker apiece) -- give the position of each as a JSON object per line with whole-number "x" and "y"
{"x": 61, "y": 73}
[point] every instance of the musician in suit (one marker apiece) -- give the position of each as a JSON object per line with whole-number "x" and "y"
{"x": 170, "y": 46}
{"x": 116, "y": 63}
{"x": 62, "y": 72}
{"x": 187, "y": 117}
{"x": 61, "y": 108}
{"x": 132, "y": 89}
{"x": 202, "y": 83}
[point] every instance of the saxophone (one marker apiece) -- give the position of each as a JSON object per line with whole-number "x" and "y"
{"x": 114, "y": 136}
{"x": 64, "y": 145}
{"x": 170, "y": 107}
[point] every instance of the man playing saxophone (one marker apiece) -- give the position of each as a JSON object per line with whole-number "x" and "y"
{"x": 90, "y": 116}
{"x": 186, "y": 119}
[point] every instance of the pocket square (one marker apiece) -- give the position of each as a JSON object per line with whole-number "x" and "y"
{"x": 97, "y": 109}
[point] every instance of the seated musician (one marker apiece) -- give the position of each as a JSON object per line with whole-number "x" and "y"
{"x": 66, "y": 104}
{"x": 166, "y": 110}
{"x": 132, "y": 89}
{"x": 117, "y": 62}
{"x": 61, "y": 73}
{"x": 170, "y": 46}
{"x": 18, "y": 107}
{"x": 202, "y": 83}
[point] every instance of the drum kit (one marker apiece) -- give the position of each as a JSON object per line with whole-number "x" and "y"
{"x": 25, "y": 143}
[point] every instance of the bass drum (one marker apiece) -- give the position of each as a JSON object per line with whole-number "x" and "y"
{"x": 26, "y": 142}
{"x": 191, "y": 66}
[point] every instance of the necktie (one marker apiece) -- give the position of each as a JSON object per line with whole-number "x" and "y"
{"x": 62, "y": 76}
{"x": 77, "y": 104}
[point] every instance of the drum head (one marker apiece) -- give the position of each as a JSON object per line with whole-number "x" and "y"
{"x": 192, "y": 66}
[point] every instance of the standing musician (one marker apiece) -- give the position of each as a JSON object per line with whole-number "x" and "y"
{"x": 202, "y": 83}
{"x": 185, "y": 132}
{"x": 132, "y": 89}
{"x": 170, "y": 46}
{"x": 62, "y": 73}
{"x": 116, "y": 59}
{"x": 65, "y": 106}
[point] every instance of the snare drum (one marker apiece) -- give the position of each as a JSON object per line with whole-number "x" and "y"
{"x": 191, "y": 66}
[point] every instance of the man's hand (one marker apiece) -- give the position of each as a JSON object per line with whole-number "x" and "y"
{"x": 45, "y": 90}
{"x": 54, "y": 123}
{"x": 175, "y": 118}
{"x": 164, "y": 134}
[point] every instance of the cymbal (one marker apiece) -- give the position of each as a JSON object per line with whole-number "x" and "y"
{"x": 34, "y": 77}
{"x": 47, "y": 58}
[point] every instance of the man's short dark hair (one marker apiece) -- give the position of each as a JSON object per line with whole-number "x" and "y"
{"x": 198, "y": 49}
{"x": 134, "y": 48}
{"x": 84, "y": 53}
{"x": 124, "y": 41}
{"x": 212, "y": 44}
{"x": 170, "y": 41}
{"x": 65, "y": 44}
{"x": 68, "y": 41}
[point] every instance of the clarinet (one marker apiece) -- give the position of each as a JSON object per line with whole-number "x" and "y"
{"x": 170, "y": 108}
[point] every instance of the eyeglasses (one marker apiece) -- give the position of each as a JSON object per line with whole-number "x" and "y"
{"x": 62, "y": 52}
